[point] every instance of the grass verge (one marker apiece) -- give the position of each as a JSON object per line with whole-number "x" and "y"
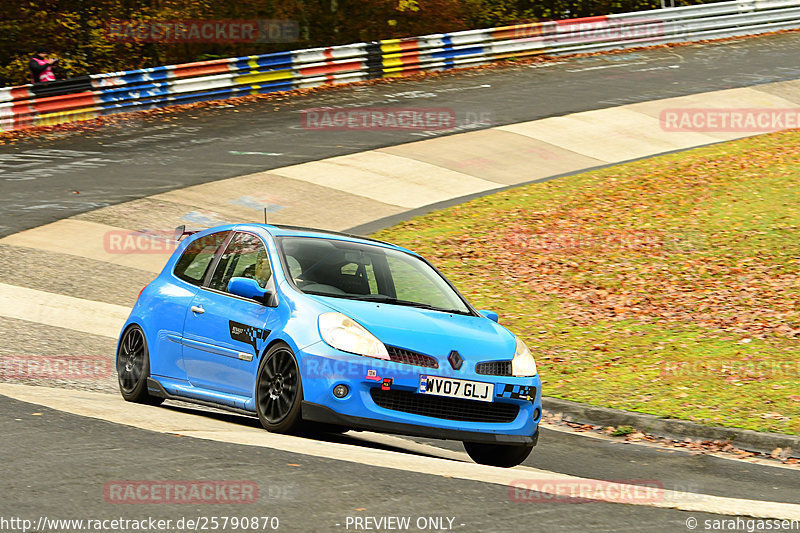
{"x": 668, "y": 286}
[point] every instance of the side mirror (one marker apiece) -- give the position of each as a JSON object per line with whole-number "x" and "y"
{"x": 247, "y": 288}
{"x": 491, "y": 315}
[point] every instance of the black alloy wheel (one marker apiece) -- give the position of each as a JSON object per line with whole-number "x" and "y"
{"x": 133, "y": 367}
{"x": 279, "y": 390}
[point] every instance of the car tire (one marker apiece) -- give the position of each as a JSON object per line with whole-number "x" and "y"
{"x": 279, "y": 390}
{"x": 504, "y": 455}
{"x": 133, "y": 367}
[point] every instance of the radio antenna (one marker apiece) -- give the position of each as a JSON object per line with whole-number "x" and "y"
{"x": 265, "y": 215}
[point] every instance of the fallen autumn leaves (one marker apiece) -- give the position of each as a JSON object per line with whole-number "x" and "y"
{"x": 668, "y": 286}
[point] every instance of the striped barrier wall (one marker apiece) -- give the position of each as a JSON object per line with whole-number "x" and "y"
{"x": 119, "y": 92}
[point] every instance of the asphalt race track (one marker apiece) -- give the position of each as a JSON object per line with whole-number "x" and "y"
{"x": 61, "y": 449}
{"x": 315, "y": 495}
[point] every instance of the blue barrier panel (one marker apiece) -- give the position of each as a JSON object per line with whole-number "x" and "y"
{"x": 267, "y": 61}
{"x": 121, "y": 94}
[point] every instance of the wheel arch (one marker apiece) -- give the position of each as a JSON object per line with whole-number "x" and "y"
{"x": 278, "y": 340}
{"x": 128, "y": 325}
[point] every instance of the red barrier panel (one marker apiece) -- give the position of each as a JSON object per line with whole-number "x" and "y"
{"x": 204, "y": 68}
{"x": 64, "y": 103}
{"x": 332, "y": 68}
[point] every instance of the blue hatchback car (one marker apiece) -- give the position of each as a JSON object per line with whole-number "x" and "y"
{"x": 304, "y": 327}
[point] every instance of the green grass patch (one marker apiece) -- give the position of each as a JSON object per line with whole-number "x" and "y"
{"x": 621, "y": 431}
{"x": 668, "y": 286}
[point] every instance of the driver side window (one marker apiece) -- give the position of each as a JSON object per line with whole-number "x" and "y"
{"x": 245, "y": 257}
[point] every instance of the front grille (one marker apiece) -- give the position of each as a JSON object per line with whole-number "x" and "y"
{"x": 443, "y": 407}
{"x": 494, "y": 368}
{"x": 399, "y": 355}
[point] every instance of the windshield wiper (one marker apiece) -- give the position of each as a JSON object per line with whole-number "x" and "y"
{"x": 382, "y": 298}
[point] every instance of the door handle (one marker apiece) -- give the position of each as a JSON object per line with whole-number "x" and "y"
{"x": 198, "y": 309}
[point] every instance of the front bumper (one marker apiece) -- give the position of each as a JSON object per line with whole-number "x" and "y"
{"x": 319, "y": 413}
{"x": 322, "y": 368}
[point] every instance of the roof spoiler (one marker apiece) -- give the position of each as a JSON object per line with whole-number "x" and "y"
{"x": 180, "y": 231}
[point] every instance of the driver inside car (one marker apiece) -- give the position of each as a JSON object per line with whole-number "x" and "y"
{"x": 259, "y": 270}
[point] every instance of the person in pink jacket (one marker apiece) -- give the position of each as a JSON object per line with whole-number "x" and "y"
{"x": 42, "y": 66}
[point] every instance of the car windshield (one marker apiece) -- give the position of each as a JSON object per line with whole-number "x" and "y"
{"x": 357, "y": 271}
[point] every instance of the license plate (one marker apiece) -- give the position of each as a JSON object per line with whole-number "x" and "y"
{"x": 456, "y": 388}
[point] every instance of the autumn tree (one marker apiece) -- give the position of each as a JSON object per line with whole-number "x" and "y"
{"x": 77, "y": 30}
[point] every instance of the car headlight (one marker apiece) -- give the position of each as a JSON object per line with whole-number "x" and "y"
{"x": 345, "y": 334}
{"x": 523, "y": 365}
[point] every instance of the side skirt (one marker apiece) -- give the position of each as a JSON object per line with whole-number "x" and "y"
{"x": 154, "y": 388}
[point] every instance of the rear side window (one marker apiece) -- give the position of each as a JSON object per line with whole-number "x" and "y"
{"x": 194, "y": 262}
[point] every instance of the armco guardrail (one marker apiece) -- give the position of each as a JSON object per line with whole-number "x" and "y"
{"x": 103, "y": 94}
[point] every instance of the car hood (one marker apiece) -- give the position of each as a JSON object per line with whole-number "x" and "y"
{"x": 429, "y": 332}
